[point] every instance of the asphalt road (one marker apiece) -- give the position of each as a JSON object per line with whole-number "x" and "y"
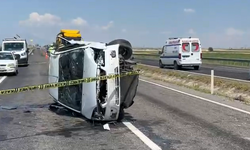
{"x": 171, "y": 120}
{"x": 230, "y": 72}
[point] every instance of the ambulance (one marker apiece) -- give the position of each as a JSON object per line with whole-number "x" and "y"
{"x": 181, "y": 52}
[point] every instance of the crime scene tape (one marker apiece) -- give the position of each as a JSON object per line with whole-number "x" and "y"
{"x": 64, "y": 83}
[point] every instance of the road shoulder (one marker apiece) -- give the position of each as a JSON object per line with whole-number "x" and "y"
{"x": 215, "y": 98}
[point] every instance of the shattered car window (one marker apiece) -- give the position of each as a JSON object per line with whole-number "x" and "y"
{"x": 71, "y": 68}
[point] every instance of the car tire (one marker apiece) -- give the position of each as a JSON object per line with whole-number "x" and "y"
{"x": 160, "y": 64}
{"x": 27, "y": 63}
{"x": 15, "y": 73}
{"x": 121, "y": 115}
{"x": 176, "y": 66}
{"x": 125, "y": 48}
{"x": 196, "y": 67}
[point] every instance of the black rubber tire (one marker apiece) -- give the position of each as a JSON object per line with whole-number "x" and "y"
{"x": 121, "y": 115}
{"x": 15, "y": 73}
{"x": 196, "y": 67}
{"x": 160, "y": 64}
{"x": 124, "y": 45}
{"x": 176, "y": 66}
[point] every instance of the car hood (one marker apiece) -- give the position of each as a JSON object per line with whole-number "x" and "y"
{"x": 17, "y": 51}
{"x": 6, "y": 61}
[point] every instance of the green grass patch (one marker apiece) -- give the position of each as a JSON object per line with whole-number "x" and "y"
{"x": 227, "y": 63}
{"x": 229, "y": 55}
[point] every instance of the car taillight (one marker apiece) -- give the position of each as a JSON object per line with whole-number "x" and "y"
{"x": 179, "y": 56}
{"x": 201, "y": 55}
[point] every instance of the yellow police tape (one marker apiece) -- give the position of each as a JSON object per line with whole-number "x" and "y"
{"x": 64, "y": 83}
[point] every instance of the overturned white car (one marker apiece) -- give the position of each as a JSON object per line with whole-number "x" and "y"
{"x": 103, "y": 100}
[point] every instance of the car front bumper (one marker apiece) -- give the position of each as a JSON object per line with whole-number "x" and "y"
{"x": 7, "y": 70}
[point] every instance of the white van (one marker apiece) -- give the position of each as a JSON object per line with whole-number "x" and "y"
{"x": 181, "y": 52}
{"x": 19, "y": 47}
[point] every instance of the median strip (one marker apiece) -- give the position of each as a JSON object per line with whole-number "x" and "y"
{"x": 235, "y": 90}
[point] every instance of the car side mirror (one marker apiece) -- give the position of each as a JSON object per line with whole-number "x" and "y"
{"x": 27, "y": 50}
{"x": 159, "y": 52}
{"x": 132, "y": 58}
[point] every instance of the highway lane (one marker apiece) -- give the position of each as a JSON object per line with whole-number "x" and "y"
{"x": 33, "y": 126}
{"x": 230, "y": 72}
{"x": 177, "y": 121}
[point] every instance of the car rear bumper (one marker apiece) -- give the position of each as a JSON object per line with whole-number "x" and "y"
{"x": 190, "y": 63}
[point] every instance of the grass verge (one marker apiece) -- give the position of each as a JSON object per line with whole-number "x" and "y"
{"x": 226, "y": 63}
{"x": 233, "y": 90}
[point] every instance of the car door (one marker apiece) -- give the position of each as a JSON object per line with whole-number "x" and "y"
{"x": 163, "y": 54}
{"x": 196, "y": 52}
{"x": 54, "y": 73}
{"x": 15, "y": 60}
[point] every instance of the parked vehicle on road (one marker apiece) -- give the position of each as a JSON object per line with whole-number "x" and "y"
{"x": 103, "y": 100}
{"x": 19, "y": 47}
{"x": 8, "y": 63}
{"x": 181, "y": 52}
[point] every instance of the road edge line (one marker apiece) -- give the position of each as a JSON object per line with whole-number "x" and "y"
{"x": 142, "y": 136}
{"x": 197, "y": 97}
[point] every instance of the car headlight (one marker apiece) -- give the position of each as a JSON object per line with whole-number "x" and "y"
{"x": 11, "y": 65}
{"x": 23, "y": 54}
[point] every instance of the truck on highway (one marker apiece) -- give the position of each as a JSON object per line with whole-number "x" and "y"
{"x": 180, "y": 52}
{"x": 18, "y": 47}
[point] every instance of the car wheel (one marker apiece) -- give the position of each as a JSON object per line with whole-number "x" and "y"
{"x": 176, "y": 66}
{"x": 121, "y": 115}
{"x": 160, "y": 64}
{"x": 15, "y": 73}
{"x": 125, "y": 48}
{"x": 196, "y": 67}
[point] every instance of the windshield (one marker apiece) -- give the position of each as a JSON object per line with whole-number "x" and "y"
{"x": 13, "y": 46}
{"x": 6, "y": 56}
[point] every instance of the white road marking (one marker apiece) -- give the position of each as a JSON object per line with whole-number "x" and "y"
{"x": 247, "y": 138}
{"x": 198, "y": 97}
{"x": 31, "y": 51}
{"x": 143, "y": 137}
{"x": 3, "y": 78}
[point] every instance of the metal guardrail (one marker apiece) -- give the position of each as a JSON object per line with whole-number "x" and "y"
{"x": 205, "y": 58}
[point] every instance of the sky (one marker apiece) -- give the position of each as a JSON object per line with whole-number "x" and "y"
{"x": 145, "y": 23}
